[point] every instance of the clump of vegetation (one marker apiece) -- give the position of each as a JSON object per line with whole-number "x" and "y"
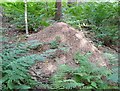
{"x": 113, "y": 60}
{"x": 38, "y": 14}
{"x": 100, "y": 18}
{"x": 15, "y": 65}
{"x": 55, "y": 43}
{"x": 16, "y": 60}
{"x": 86, "y": 76}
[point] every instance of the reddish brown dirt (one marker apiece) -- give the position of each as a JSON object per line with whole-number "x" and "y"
{"x": 76, "y": 41}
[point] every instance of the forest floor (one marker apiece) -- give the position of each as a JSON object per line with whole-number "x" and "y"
{"x": 69, "y": 41}
{"x": 68, "y": 37}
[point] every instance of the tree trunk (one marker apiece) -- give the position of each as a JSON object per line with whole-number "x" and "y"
{"x": 58, "y": 7}
{"x": 26, "y": 22}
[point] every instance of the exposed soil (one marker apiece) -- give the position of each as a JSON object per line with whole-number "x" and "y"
{"x": 74, "y": 39}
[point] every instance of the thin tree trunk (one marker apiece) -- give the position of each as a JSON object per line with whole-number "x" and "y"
{"x": 58, "y": 7}
{"x": 46, "y": 6}
{"x": 26, "y": 22}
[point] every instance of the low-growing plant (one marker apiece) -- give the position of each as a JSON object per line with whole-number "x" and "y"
{"x": 86, "y": 76}
{"x": 38, "y": 14}
{"x": 15, "y": 62}
{"x": 113, "y": 60}
{"x": 16, "y": 59}
{"x": 100, "y": 18}
{"x": 15, "y": 65}
{"x": 55, "y": 43}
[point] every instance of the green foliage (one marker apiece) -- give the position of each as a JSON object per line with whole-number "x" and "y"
{"x": 86, "y": 76}
{"x": 16, "y": 61}
{"x": 55, "y": 43}
{"x": 14, "y": 68}
{"x": 100, "y": 18}
{"x": 15, "y": 65}
{"x": 113, "y": 60}
{"x": 34, "y": 44}
{"x": 38, "y": 14}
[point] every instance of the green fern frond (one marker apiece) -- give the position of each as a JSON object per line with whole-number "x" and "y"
{"x": 15, "y": 64}
{"x": 85, "y": 76}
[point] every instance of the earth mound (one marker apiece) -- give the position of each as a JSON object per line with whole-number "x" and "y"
{"x": 74, "y": 39}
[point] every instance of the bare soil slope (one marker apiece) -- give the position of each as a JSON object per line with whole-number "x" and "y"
{"x": 76, "y": 41}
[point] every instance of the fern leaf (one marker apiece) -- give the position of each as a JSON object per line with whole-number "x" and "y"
{"x": 22, "y": 87}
